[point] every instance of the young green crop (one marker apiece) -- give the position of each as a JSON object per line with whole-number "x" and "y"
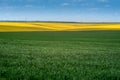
{"x": 90, "y": 55}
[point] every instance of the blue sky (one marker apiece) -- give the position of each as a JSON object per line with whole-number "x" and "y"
{"x": 61, "y": 10}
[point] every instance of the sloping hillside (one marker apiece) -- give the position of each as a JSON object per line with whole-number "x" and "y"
{"x": 44, "y": 26}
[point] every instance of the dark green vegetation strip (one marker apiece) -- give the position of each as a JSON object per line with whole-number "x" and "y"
{"x": 87, "y": 55}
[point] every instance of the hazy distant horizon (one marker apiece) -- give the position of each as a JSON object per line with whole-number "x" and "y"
{"x": 57, "y": 21}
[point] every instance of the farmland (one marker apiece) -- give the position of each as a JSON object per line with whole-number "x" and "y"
{"x": 67, "y": 51}
{"x": 47, "y": 26}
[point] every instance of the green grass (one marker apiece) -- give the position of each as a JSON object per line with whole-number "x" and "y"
{"x": 87, "y": 55}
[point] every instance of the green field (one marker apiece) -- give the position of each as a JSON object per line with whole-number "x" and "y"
{"x": 80, "y": 55}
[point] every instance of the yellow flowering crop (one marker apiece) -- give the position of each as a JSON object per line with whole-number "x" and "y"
{"x": 44, "y": 26}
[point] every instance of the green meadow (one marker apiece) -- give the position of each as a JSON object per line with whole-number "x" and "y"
{"x": 62, "y": 55}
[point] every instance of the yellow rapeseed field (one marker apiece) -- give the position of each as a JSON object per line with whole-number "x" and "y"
{"x": 45, "y": 26}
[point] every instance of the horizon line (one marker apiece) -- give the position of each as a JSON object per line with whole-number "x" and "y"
{"x": 57, "y": 21}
